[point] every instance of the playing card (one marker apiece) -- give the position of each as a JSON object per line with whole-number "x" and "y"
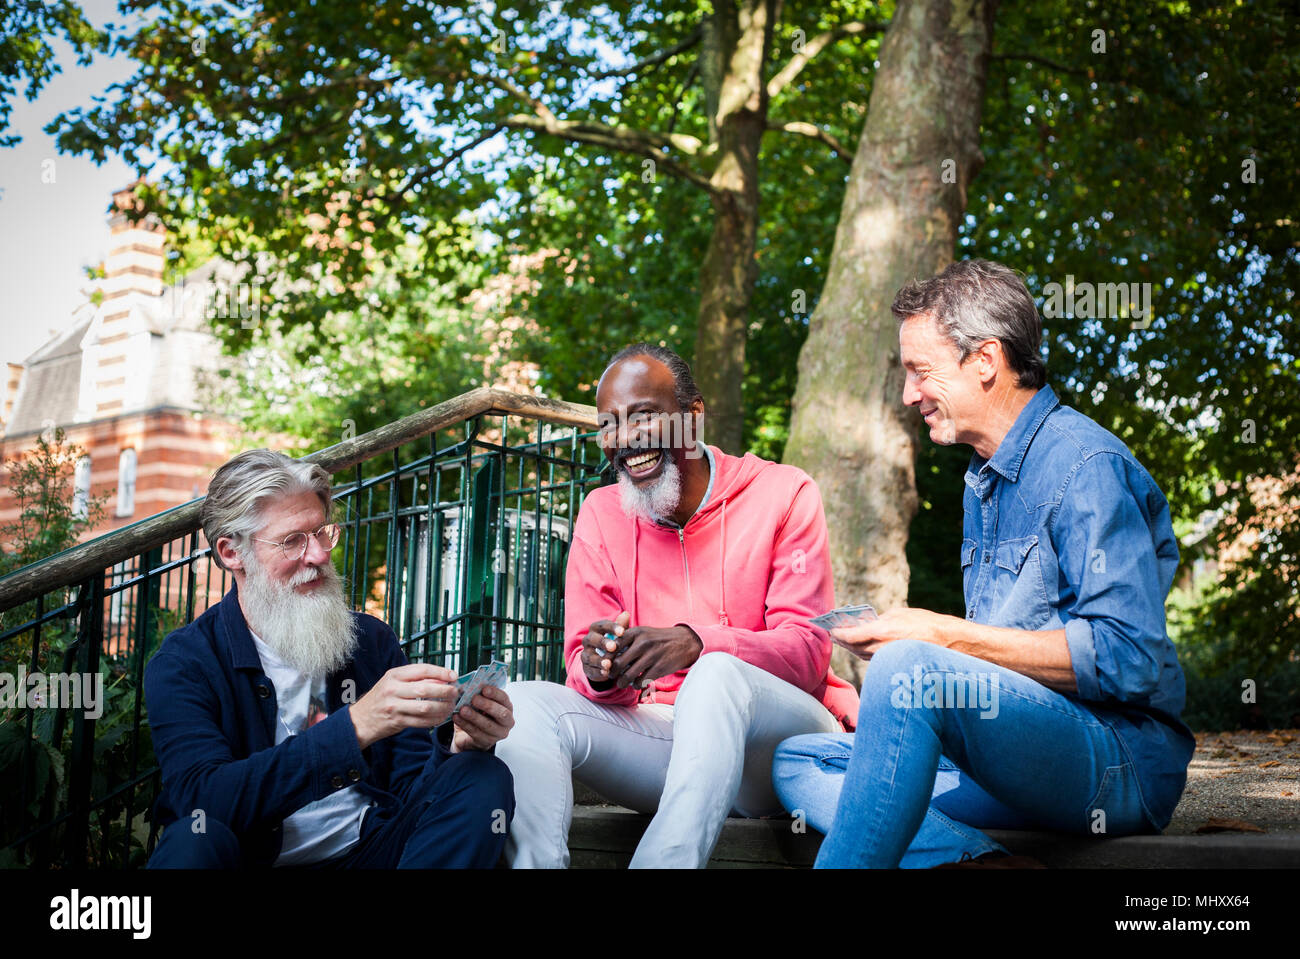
{"x": 495, "y": 673}
{"x": 844, "y": 616}
{"x": 857, "y": 614}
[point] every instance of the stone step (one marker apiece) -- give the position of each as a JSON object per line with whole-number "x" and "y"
{"x": 604, "y": 837}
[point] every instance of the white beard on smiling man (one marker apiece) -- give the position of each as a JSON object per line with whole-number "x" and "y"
{"x": 655, "y": 501}
{"x": 316, "y": 633}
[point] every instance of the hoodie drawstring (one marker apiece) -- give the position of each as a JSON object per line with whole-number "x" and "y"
{"x": 636, "y": 572}
{"x": 722, "y": 572}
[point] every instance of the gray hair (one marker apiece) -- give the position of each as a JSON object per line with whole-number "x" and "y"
{"x": 243, "y": 487}
{"x": 974, "y": 301}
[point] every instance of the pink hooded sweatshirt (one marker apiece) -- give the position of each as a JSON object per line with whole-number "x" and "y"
{"x": 745, "y": 573}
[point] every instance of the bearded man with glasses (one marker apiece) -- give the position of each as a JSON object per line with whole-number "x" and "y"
{"x": 291, "y": 730}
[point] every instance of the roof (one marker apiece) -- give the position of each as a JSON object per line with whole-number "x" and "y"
{"x": 178, "y": 344}
{"x": 51, "y": 383}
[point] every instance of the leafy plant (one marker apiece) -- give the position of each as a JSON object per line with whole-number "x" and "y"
{"x": 36, "y": 741}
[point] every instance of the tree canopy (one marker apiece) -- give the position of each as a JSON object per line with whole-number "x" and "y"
{"x": 27, "y": 62}
{"x": 1166, "y": 156}
{"x": 278, "y": 125}
{"x": 418, "y": 150}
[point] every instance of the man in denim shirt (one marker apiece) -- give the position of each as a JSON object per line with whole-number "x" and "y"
{"x": 1055, "y": 703}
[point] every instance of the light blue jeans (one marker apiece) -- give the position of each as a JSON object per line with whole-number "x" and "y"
{"x": 947, "y": 744}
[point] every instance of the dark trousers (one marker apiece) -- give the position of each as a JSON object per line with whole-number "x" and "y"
{"x": 455, "y": 816}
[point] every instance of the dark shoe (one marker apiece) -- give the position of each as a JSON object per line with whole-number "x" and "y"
{"x": 993, "y": 860}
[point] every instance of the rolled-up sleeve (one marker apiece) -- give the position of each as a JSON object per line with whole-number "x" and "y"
{"x": 1115, "y": 625}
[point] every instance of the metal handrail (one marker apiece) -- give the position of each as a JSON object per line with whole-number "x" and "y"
{"x": 73, "y": 565}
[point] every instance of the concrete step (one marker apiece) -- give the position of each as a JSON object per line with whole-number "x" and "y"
{"x": 604, "y": 837}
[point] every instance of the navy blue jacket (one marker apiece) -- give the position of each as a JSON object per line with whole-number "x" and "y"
{"x": 213, "y": 714}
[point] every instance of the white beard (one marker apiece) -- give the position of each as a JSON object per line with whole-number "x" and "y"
{"x": 314, "y": 633}
{"x": 656, "y": 501}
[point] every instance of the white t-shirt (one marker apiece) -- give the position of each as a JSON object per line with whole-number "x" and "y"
{"x": 327, "y": 827}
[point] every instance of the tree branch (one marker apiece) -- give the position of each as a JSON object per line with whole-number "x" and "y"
{"x": 814, "y": 47}
{"x": 573, "y": 129}
{"x": 1090, "y": 74}
{"x": 1034, "y": 58}
{"x": 653, "y": 60}
{"x": 362, "y": 80}
{"x": 540, "y": 108}
{"x": 290, "y": 136}
{"x": 427, "y": 171}
{"x": 550, "y": 123}
{"x": 815, "y": 133}
{"x": 616, "y": 139}
{"x": 677, "y": 100}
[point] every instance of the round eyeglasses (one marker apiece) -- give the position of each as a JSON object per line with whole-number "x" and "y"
{"x": 294, "y": 546}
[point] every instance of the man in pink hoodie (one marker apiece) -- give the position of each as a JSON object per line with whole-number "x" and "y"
{"x": 687, "y": 642}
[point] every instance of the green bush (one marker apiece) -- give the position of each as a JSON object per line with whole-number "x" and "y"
{"x": 1233, "y": 682}
{"x": 41, "y": 739}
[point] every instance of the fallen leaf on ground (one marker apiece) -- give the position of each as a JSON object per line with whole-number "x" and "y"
{"x": 1215, "y": 824}
{"x": 1271, "y": 762}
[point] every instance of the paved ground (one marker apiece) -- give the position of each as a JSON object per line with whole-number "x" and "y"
{"x": 1252, "y": 777}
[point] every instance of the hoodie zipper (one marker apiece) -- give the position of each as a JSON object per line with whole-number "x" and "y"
{"x": 690, "y": 600}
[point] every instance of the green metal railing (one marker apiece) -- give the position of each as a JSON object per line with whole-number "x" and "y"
{"x": 456, "y": 525}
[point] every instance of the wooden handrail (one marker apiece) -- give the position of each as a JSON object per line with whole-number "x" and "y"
{"x": 74, "y": 564}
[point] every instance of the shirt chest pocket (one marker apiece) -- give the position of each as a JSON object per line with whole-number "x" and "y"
{"x": 967, "y": 561}
{"x": 1012, "y": 554}
{"x": 1019, "y": 595}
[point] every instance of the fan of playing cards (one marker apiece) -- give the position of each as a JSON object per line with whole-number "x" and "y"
{"x": 844, "y": 616}
{"x": 495, "y": 673}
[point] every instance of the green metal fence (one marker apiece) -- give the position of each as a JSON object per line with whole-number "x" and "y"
{"x": 456, "y": 529}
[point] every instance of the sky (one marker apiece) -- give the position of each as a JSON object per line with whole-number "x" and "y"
{"x": 49, "y": 232}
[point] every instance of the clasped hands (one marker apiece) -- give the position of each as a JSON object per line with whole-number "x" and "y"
{"x": 615, "y": 653}
{"x": 421, "y": 696}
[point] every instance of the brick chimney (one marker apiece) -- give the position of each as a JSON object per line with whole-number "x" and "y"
{"x": 134, "y": 266}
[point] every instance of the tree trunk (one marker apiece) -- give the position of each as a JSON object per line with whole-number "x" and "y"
{"x": 738, "y": 37}
{"x": 904, "y": 201}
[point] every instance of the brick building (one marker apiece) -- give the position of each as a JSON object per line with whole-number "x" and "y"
{"x": 122, "y": 382}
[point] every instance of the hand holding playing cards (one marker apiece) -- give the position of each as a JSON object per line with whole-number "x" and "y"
{"x": 649, "y": 652}
{"x": 602, "y": 642}
{"x": 484, "y": 721}
{"x": 865, "y": 637}
{"x": 615, "y": 652}
{"x": 418, "y": 695}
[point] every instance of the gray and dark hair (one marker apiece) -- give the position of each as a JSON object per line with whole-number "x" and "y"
{"x": 684, "y": 387}
{"x": 973, "y": 301}
{"x": 243, "y": 486}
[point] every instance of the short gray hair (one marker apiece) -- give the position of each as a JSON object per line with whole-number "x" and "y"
{"x": 973, "y": 301}
{"x": 243, "y": 486}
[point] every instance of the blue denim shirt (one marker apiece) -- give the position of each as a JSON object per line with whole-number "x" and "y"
{"x": 1065, "y": 529}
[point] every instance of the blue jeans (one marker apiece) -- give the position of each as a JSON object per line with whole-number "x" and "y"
{"x": 947, "y": 744}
